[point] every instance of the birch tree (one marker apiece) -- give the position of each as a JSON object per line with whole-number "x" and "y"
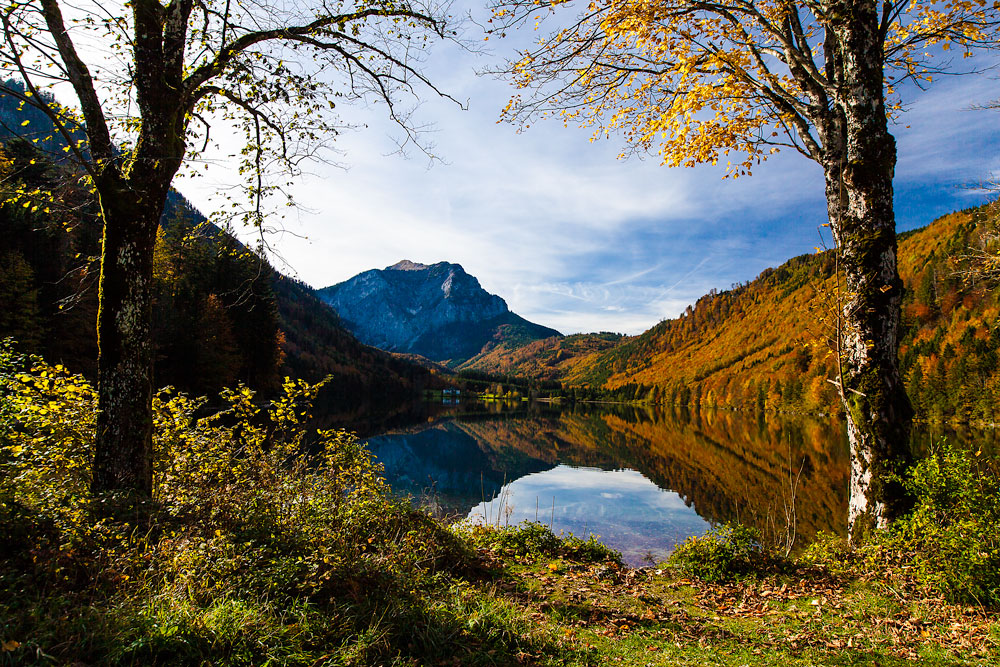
{"x": 150, "y": 77}
{"x": 706, "y": 81}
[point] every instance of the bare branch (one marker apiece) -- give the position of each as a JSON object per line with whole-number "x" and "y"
{"x": 101, "y": 146}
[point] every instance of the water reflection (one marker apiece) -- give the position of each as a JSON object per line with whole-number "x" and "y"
{"x": 448, "y": 468}
{"x": 622, "y": 507}
{"x": 642, "y": 479}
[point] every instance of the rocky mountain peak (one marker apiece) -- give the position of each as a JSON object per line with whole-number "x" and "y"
{"x": 407, "y": 265}
{"x": 438, "y": 311}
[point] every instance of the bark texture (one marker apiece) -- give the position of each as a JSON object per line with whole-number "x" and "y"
{"x": 859, "y": 164}
{"x": 133, "y": 192}
{"x": 123, "y": 455}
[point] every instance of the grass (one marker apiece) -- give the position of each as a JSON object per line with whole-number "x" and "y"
{"x": 807, "y": 617}
{"x": 516, "y": 596}
{"x": 261, "y": 547}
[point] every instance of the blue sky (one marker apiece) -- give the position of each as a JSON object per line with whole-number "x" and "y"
{"x": 570, "y": 236}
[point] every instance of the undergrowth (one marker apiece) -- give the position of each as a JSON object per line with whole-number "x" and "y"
{"x": 952, "y": 537}
{"x": 949, "y": 545}
{"x": 532, "y": 541}
{"x": 266, "y": 543}
{"x": 724, "y": 553}
{"x": 263, "y": 543}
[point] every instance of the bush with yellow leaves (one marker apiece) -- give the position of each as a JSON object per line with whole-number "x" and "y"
{"x": 258, "y": 531}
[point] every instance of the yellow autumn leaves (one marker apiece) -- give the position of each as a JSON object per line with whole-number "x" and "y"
{"x": 698, "y": 82}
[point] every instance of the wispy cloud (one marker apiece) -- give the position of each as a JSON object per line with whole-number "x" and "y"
{"x": 576, "y": 239}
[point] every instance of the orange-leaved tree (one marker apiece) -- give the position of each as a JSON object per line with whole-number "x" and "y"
{"x": 701, "y": 81}
{"x": 150, "y": 78}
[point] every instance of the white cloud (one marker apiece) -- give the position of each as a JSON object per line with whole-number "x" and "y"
{"x": 572, "y": 237}
{"x": 944, "y": 134}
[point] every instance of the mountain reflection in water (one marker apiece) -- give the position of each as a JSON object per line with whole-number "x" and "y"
{"x": 621, "y": 507}
{"x": 641, "y": 479}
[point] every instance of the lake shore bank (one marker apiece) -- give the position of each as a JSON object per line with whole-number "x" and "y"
{"x": 508, "y": 597}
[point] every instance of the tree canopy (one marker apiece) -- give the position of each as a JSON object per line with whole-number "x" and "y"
{"x": 151, "y": 78}
{"x": 699, "y": 81}
{"x": 151, "y": 72}
{"x": 735, "y": 80}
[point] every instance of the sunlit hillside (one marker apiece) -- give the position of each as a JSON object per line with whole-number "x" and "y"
{"x": 769, "y": 344}
{"x": 547, "y": 359}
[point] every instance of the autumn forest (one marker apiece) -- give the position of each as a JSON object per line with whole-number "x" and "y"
{"x": 181, "y": 476}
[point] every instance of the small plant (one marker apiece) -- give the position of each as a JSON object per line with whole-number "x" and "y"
{"x": 950, "y": 541}
{"x": 827, "y": 549}
{"x": 589, "y": 550}
{"x": 526, "y": 540}
{"x": 534, "y": 541}
{"x": 722, "y": 554}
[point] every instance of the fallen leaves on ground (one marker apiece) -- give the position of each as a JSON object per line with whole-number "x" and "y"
{"x": 808, "y": 609}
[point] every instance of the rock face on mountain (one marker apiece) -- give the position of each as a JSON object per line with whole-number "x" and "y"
{"x": 438, "y": 311}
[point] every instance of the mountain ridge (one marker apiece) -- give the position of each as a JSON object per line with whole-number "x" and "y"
{"x": 437, "y": 311}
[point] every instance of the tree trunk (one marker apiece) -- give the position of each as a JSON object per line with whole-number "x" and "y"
{"x": 860, "y": 199}
{"x": 123, "y": 454}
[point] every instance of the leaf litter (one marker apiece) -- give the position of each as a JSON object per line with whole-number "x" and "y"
{"x": 809, "y": 610}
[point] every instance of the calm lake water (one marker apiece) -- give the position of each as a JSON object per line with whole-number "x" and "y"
{"x": 641, "y": 479}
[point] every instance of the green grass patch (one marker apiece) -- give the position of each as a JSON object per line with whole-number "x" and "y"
{"x": 267, "y": 544}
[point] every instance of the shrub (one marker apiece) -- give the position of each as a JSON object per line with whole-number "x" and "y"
{"x": 722, "y": 554}
{"x": 589, "y": 550}
{"x": 264, "y": 541}
{"x": 47, "y": 422}
{"x": 531, "y": 540}
{"x": 827, "y": 549}
{"x": 951, "y": 539}
{"x": 527, "y": 540}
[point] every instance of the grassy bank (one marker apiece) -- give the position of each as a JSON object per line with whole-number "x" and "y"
{"x": 265, "y": 544}
{"x": 795, "y": 614}
{"x": 483, "y": 605}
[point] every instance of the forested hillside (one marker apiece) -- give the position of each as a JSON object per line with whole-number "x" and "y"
{"x": 48, "y": 270}
{"x": 769, "y": 344}
{"x": 222, "y": 315}
{"x": 553, "y": 358}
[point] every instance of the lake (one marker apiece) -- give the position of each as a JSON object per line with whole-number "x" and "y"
{"x": 642, "y": 479}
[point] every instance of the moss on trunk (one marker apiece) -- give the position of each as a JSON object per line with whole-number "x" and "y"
{"x": 123, "y": 453}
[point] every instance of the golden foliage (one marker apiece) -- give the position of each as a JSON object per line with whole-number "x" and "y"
{"x": 246, "y": 457}
{"x": 701, "y": 82}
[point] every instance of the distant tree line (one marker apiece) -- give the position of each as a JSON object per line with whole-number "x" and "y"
{"x": 499, "y": 384}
